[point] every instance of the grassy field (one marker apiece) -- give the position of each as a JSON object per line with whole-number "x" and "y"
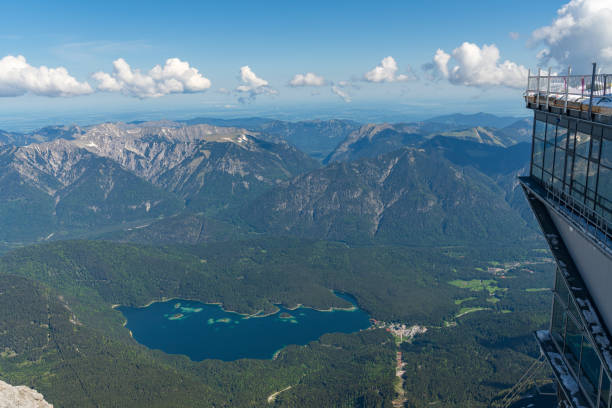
{"x": 467, "y": 299}
{"x": 467, "y": 310}
{"x": 478, "y": 285}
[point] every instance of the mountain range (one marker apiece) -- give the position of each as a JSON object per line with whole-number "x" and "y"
{"x": 414, "y": 183}
{"x": 111, "y": 174}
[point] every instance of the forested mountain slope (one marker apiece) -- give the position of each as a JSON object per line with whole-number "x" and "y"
{"x": 410, "y": 196}
{"x": 373, "y": 139}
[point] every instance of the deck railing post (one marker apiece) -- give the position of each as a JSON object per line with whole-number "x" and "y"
{"x": 592, "y": 89}
{"x": 528, "y": 78}
{"x": 538, "y": 86}
{"x": 569, "y": 73}
{"x": 548, "y": 88}
{"x": 527, "y": 90}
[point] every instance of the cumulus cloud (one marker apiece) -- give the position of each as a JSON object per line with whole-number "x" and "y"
{"x": 386, "y": 71}
{"x": 476, "y": 66}
{"x": 17, "y": 78}
{"x": 580, "y": 34}
{"x": 252, "y": 85}
{"x": 440, "y": 61}
{"x": 514, "y": 35}
{"x": 337, "y": 90}
{"x": 308, "y": 79}
{"x": 175, "y": 76}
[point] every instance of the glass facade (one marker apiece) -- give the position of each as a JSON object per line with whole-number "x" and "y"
{"x": 573, "y": 342}
{"x": 574, "y": 158}
{"x": 604, "y": 398}
{"x": 571, "y": 160}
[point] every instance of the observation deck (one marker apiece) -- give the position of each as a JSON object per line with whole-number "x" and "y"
{"x": 569, "y": 189}
{"x": 587, "y": 97}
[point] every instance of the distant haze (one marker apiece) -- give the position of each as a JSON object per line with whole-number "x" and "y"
{"x": 362, "y": 113}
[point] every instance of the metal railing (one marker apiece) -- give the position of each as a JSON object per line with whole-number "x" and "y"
{"x": 568, "y": 91}
{"x": 535, "y": 374}
{"x": 589, "y": 221}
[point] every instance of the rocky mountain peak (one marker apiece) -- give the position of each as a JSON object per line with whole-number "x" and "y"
{"x": 21, "y": 396}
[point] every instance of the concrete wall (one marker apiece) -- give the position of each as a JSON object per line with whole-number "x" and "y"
{"x": 594, "y": 267}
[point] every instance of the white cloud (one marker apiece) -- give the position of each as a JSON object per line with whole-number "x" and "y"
{"x": 253, "y": 85}
{"x": 17, "y": 77}
{"x": 514, "y": 35}
{"x": 308, "y": 79}
{"x": 387, "y": 72}
{"x": 580, "y": 34}
{"x": 175, "y": 76}
{"x": 441, "y": 62}
{"x": 336, "y": 90}
{"x": 475, "y": 66}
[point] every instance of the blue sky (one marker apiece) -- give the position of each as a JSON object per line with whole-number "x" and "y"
{"x": 337, "y": 41}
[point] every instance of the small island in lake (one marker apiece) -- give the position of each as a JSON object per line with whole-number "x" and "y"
{"x": 177, "y": 316}
{"x": 285, "y": 315}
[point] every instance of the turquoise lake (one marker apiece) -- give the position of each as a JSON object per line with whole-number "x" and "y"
{"x": 203, "y": 331}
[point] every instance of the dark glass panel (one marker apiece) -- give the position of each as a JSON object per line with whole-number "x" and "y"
{"x": 538, "y": 152}
{"x": 606, "y": 152}
{"x": 580, "y": 173}
{"x": 571, "y": 306}
{"x": 559, "y": 164}
{"x": 568, "y": 173}
{"x": 578, "y": 193}
{"x": 595, "y": 149}
{"x": 590, "y": 203}
{"x": 561, "y": 137}
{"x": 591, "y": 187}
{"x": 561, "y": 287}
{"x": 604, "y": 399}
{"x": 607, "y": 214}
{"x": 572, "y": 137}
{"x": 557, "y": 326}
{"x": 605, "y": 188}
{"x": 557, "y": 184}
{"x": 583, "y": 141}
{"x": 549, "y": 155}
{"x": 547, "y": 178}
{"x": 590, "y": 367}
{"x": 550, "y": 133}
{"x": 536, "y": 172}
{"x": 573, "y": 342}
{"x": 540, "y": 129}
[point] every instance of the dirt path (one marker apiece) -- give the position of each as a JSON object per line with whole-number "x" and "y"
{"x": 399, "y": 387}
{"x": 273, "y": 396}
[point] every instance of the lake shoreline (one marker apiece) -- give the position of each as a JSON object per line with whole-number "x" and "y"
{"x": 246, "y": 315}
{"x": 156, "y": 326}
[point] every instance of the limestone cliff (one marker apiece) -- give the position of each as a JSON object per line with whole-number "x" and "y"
{"x": 21, "y": 396}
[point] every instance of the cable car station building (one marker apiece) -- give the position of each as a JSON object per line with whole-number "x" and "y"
{"x": 569, "y": 189}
